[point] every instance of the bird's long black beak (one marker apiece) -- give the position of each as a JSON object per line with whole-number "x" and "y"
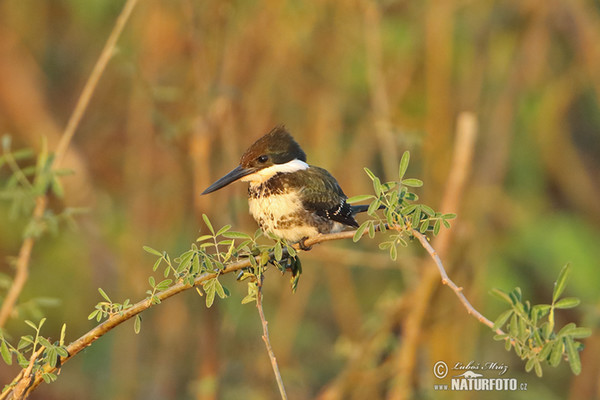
{"x": 235, "y": 174}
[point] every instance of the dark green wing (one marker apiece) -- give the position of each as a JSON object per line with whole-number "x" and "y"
{"x": 322, "y": 195}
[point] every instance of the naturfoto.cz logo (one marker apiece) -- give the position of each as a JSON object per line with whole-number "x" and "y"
{"x": 470, "y": 380}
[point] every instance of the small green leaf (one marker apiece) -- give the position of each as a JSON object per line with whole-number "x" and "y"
{"x": 63, "y": 331}
{"x": 93, "y": 314}
{"x": 377, "y": 186}
{"x": 567, "y": 302}
{"x": 223, "y": 230}
{"x": 220, "y": 290}
{"x": 410, "y": 196}
{"x": 529, "y": 364}
{"x": 556, "y": 354}
{"x": 210, "y": 290}
{"x": 31, "y": 324}
{"x": 236, "y": 235}
{"x": 427, "y": 210}
{"x": 513, "y": 327}
{"x": 151, "y": 281}
{"x": 537, "y": 337}
{"x": 561, "y": 282}
{"x": 210, "y": 298}
{"x": 393, "y": 252}
{"x": 518, "y": 350}
{"x": 580, "y": 333}
{"x": 44, "y": 342}
{"x": 152, "y": 251}
{"x": 566, "y": 330}
{"x": 156, "y": 264}
{"x": 502, "y": 295}
{"x": 436, "y": 227}
{"x": 371, "y": 174}
{"x": 6, "y": 354}
{"x": 416, "y": 217}
{"x": 545, "y": 352}
{"x": 412, "y": 182}
{"x": 403, "y": 165}
{"x": 278, "y": 251}
{"x": 371, "y": 231}
{"x": 374, "y": 206}
{"x": 103, "y": 294}
{"x": 62, "y": 351}
{"x": 48, "y": 377}
{"x": 515, "y": 296}
{"x": 538, "y": 369}
{"x": 204, "y": 237}
{"x": 360, "y": 231}
{"x": 573, "y": 354}
{"x": 291, "y": 251}
{"x": 541, "y": 310}
{"x": 546, "y": 330}
{"x": 264, "y": 258}
{"x": 137, "y": 324}
{"x": 208, "y": 224}
{"x": 522, "y": 330}
{"x": 164, "y": 284}
{"x": 501, "y": 320}
{"x": 196, "y": 264}
{"x": 360, "y": 198}
{"x": 409, "y": 209}
{"x": 25, "y": 341}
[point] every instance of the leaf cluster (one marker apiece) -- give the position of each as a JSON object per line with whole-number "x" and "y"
{"x": 27, "y": 349}
{"x": 531, "y": 329}
{"x": 27, "y": 179}
{"x": 108, "y": 308}
{"x": 401, "y": 212}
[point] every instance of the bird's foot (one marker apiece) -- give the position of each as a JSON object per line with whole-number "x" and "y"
{"x": 302, "y": 244}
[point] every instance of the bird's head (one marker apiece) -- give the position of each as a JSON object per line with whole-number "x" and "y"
{"x": 275, "y": 152}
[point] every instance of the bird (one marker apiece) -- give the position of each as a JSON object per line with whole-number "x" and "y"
{"x": 286, "y": 196}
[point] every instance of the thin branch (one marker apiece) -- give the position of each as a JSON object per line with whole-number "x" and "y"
{"x": 22, "y": 264}
{"x": 117, "y": 319}
{"x": 22, "y": 267}
{"x": 464, "y": 144}
{"x": 265, "y": 338}
{"x": 448, "y": 282}
{"x": 112, "y": 322}
{"x": 94, "y": 78}
{"x": 24, "y": 380}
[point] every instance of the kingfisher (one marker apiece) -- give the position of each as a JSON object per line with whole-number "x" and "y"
{"x": 286, "y": 196}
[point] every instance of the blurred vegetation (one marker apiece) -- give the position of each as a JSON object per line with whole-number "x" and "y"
{"x": 194, "y": 83}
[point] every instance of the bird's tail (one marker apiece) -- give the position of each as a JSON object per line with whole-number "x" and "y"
{"x": 359, "y": 208}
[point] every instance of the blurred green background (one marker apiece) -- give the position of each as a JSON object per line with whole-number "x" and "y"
{"x": 193, "y": 83}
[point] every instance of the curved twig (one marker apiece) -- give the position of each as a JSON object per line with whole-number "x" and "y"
{"x": 265, "y": 338}
{"x": 22, "y": 264}
{"x": 94, "y": 334}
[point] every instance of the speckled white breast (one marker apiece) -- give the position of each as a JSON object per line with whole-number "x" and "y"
{"x": 283, "y": 215}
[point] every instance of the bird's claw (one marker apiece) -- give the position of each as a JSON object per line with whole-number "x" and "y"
{"x": 302, "y": 244}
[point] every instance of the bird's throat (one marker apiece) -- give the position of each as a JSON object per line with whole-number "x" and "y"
{"x": 265, "y": 174}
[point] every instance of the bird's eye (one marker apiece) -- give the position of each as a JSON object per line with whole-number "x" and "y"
{"x": 263, "y": 158}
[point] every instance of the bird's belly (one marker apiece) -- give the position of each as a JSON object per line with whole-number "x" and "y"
{"x": 285, "y": 217}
